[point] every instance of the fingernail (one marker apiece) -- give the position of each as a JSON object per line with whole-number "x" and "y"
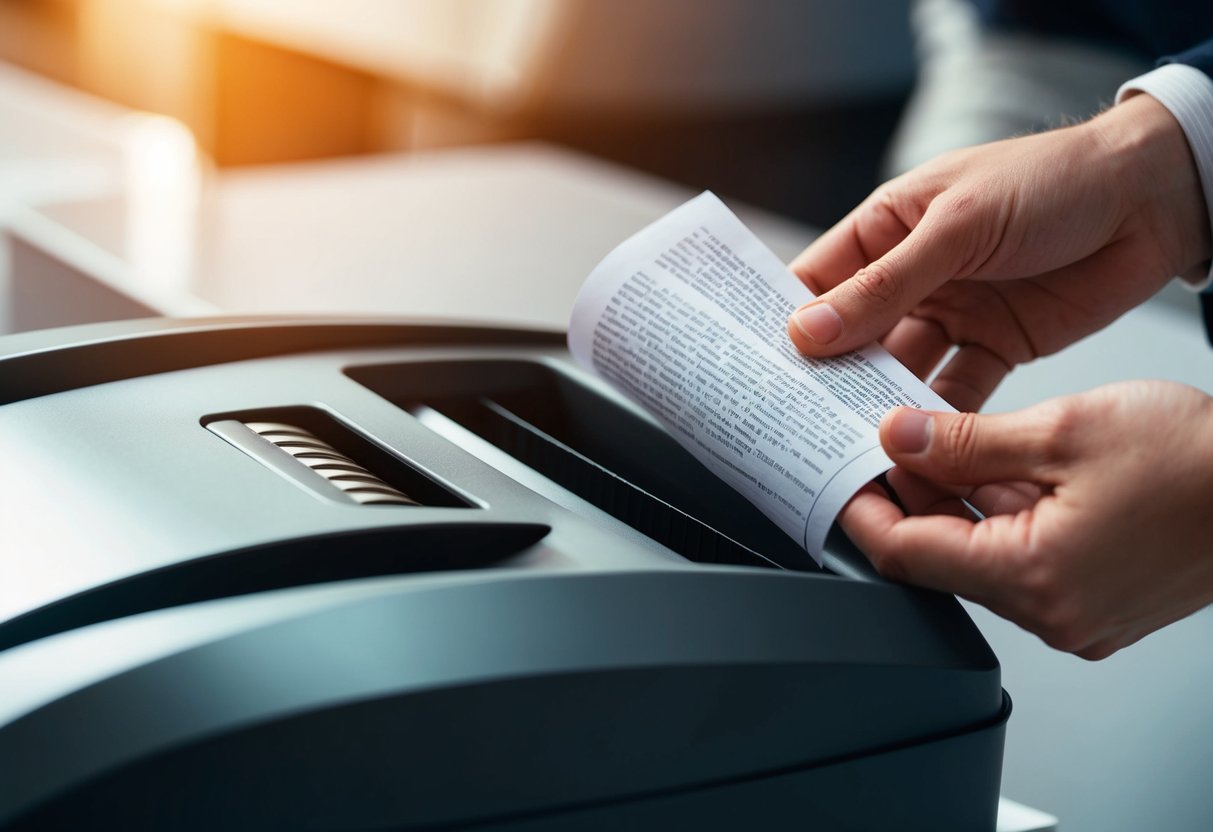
{"x": 818, "y": 322}
{"x": 910, "y": 431}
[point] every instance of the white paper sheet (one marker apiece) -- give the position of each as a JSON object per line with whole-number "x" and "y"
{"x": 689, "y": 319}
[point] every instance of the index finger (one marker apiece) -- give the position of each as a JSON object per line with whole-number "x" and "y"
{"x": 862, "y": 236}
{"x": 945, "y": 244}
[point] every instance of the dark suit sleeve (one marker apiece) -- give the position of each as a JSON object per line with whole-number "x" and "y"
{"x": 1199, "y": 56}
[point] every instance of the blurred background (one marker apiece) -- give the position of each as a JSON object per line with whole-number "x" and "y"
{"x": 782, "y": 103}
{"x": 194, "y": 156}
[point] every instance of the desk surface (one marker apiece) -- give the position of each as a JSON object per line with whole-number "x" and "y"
{"x": 502, "y": 234}
{"x": 506, "y": 233}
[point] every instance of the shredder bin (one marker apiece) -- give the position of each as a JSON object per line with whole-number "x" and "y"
{"x": 333, "y": 574}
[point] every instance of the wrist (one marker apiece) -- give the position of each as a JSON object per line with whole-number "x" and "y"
{"x": 1144, "y": 147}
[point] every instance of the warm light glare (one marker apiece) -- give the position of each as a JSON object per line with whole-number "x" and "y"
{"x": 163, "y": 192}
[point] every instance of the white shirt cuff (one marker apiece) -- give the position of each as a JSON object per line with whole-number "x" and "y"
{"x": 1188, "y": 94}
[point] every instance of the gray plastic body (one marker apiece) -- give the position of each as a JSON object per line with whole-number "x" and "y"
{"x": 192, "y": 640}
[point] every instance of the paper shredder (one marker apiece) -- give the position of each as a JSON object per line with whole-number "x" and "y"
{"x": 331, "y": 574}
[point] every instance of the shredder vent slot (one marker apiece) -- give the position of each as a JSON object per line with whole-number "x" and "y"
{"x": 316, "y": 452}
{"x": 352, "y": 479}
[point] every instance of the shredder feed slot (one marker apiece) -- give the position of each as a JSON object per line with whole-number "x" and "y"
{"x": 596, "y": 448}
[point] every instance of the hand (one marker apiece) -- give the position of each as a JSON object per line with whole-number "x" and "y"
{"x": 1010, "y": 250}
{"x": 1098, "y": 511}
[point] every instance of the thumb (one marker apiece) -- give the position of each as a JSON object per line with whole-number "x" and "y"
{"x": 862, "y": 308}
{"x": 969, "y": 448}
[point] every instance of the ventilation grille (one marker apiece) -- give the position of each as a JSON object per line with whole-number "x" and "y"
{"x": 355, "y": 481}
{"x": 331, "y": 459}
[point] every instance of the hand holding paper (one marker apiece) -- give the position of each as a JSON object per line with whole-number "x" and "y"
{"x": 689, "y": 318}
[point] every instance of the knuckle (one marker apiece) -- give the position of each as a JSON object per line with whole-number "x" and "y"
{"x": 883, "y": 199}
{"x": 958, "y": 203}
{"x": 959, "y": 448}
{"x": 1062, "y": 427}
{"x": 875, "y": 283}
{"x": 890, "y": 565}
{"x": 1038, "y": 585}
{"x": 888, "y": 209}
